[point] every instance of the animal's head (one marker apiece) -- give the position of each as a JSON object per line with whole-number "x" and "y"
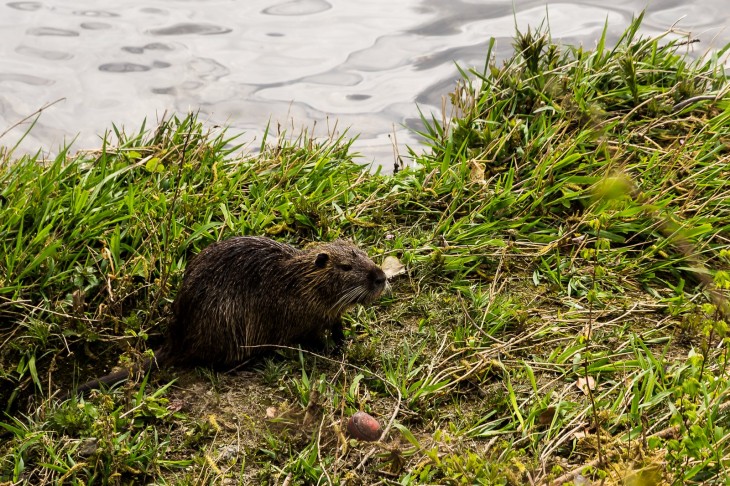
{"x": 346, "y": 276}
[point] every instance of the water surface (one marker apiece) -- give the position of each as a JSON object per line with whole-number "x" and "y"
{"x": 327, "y": 64}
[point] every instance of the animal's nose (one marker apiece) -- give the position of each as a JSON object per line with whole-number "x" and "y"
{"x": 378, "y": 276}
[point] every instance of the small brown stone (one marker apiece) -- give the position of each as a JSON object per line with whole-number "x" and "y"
{"x": 363, "y": 426}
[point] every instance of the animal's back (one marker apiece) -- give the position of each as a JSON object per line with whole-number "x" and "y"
{"x": 227, "y": 298}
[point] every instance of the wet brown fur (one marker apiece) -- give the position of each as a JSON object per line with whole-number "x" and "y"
{"x": 242, "y": 294}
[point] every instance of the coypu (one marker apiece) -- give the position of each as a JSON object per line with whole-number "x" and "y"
{"x": 244, "y": 293}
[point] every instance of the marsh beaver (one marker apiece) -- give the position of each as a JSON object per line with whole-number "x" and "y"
{"x": 241, "y": 294}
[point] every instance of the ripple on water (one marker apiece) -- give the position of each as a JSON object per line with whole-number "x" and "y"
{"x": 152, "y": 46}
{"x": 43, "y": 53}
{"x": 94, "y": 13}
{"x": 123, "y": 67}
{"x": 191, "y": 28}
{"x": 41, "y": 31}
{"x": 164, "y": 91}
{"x": 26, "y": 79}
{"x": 152, "y": 10}
{"x": 28, "y": 6}
{"x": 208, "y": 69}
{"x": 95, "y": 25}
{"x": 335, "y": 78}
{"x": 158, "y": 46}
{"x": 298, "y": 7}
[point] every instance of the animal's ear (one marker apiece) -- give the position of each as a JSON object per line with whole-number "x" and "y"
{"x": 321, "y": 260}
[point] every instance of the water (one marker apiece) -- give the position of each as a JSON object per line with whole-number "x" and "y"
{"x": 327, "y": 64}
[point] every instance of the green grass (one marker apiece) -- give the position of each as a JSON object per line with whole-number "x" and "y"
{"x": 564, "y": 313}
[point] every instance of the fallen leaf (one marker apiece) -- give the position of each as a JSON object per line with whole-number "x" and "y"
{"x": 392, "y": 266}
{"x": 586, "y": 384}
{"x": 175, "y": 405}
{"x": 476, "y": 172}
{"x": 546, "y": 416}
{"x": 579, "y": 480}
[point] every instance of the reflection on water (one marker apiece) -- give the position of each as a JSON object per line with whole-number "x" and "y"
{"x": 330, "y": 63}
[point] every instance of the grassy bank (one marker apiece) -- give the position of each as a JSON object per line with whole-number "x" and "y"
{"x": 564, "y": 313}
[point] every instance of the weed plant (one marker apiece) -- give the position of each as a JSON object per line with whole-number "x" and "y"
{"x": 563, "y": 318}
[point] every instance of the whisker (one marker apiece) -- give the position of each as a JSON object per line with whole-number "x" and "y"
{"x": 348, "y": 297}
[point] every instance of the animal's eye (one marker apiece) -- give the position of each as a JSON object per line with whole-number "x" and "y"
{"x": 345, "y": 267}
